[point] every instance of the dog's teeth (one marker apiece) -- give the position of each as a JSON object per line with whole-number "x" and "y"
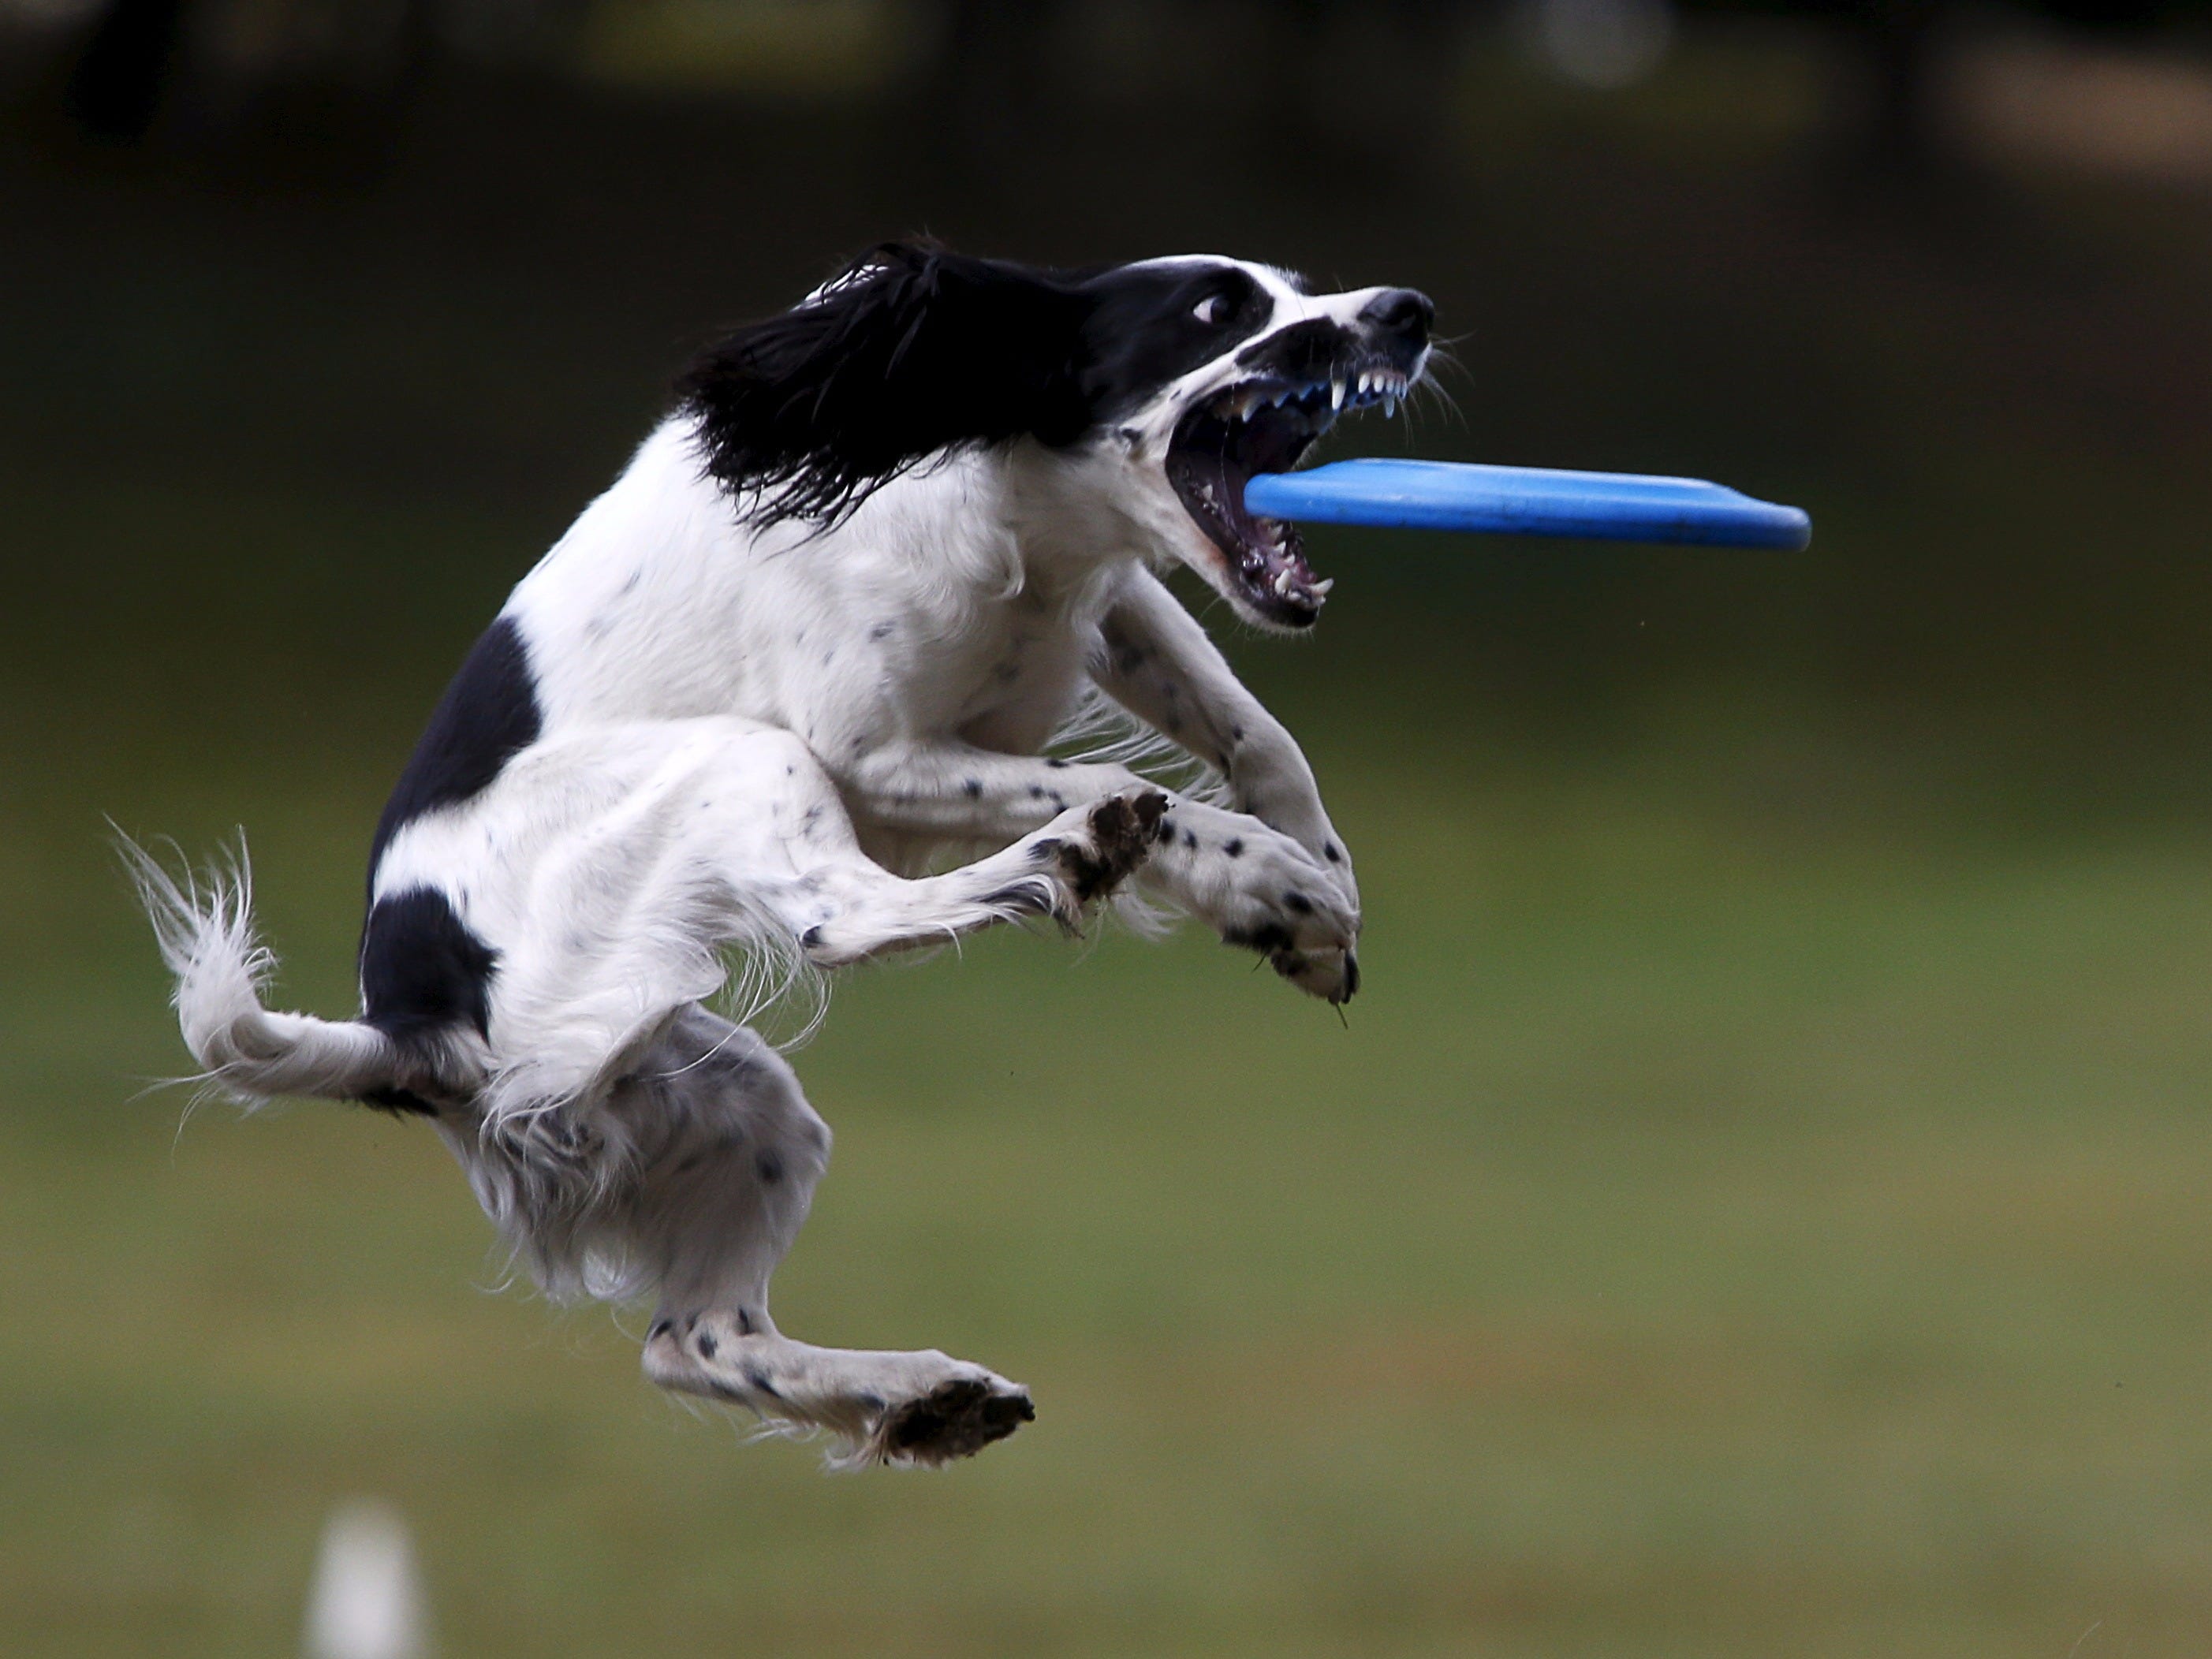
{"x": 1282, "y": 584}
{"x": 1320, "y": 589}
{"x": 1336, "y": 394}
{"x": 1389, "y": 407}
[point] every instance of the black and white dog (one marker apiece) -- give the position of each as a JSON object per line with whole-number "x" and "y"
{"x": 827, "y": 625}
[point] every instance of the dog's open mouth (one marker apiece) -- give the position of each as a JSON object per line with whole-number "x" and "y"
{"x": 1266, "y": 425}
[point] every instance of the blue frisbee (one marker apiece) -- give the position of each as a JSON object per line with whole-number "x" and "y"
{"x": 1528, "y": 501}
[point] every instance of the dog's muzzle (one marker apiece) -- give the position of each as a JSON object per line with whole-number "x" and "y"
{"x": 1291, "y": 387}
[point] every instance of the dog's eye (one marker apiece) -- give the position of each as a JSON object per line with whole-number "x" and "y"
{"x": 1211, "y": 310}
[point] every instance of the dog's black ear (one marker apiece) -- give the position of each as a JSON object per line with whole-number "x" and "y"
{"x": 912, "y": 350}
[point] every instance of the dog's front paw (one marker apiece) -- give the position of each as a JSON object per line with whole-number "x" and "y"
{"x": 1261, "y": 891}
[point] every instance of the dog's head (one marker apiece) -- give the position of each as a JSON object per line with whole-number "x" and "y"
{"x": 1181, "y": 378}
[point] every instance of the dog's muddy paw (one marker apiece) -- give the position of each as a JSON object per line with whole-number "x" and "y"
{"x": 956, "y": 1418}
{"x": 1118, "y": 835}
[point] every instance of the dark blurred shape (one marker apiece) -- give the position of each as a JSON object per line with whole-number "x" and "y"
{"x": 117, "y": 84}
{"x": 984, "y": 93}
{"x": 1603, "y": 44}
{"x": 993, "y": 91}
{"x": 1896, "y": 126}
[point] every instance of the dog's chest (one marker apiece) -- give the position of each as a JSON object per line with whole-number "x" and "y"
{"x": 1005, "y": 681}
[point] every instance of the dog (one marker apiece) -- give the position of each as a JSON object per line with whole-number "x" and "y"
{"x": 832, "y": 621}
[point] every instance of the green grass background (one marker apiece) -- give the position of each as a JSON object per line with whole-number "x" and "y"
{"x": 1758, "y": 1204}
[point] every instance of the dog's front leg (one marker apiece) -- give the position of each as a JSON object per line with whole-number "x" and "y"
{"x": 1253, "y": 884}
{"x": 1280, "y": 851}
{"x": 1156, "y": 662}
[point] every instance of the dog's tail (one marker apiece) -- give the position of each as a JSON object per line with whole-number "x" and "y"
{"x": 204, "y": 926}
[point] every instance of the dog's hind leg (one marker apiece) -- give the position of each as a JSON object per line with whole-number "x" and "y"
{"x": 732, "y": 1151}
{"x": 849, "y": 908}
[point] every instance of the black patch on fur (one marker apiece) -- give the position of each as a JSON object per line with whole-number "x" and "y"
{"x": 1144, "y": 330}
{"x": 1057, "y": 765}
{"x": 744, "y": 1323}
{"x": 707, "y": 1345}
{"x": 770, "y": 1167}
{"x": 1297, "y": 903}
{"x": 1303, "y": 351}
{"x": 487, "y": 714}
{"x": 972, "y": 788}
{"x": 913, "y": 351}
{"x": 756, "y": 1379}
{"x": 421, "y": 970}
{"x": 1234, "y": 847}
{"x": 1330, "y": 852}
{"x": 661, "y": 1328}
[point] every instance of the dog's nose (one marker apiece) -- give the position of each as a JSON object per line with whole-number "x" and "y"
{"x": 1406, "y": 311}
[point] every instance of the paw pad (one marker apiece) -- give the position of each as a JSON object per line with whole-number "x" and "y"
{"x": 1123, "y": 831}
{"x": 956, "y": 1419}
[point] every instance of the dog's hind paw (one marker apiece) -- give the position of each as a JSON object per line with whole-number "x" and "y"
{"x": 956, "y": 1418}
{"x": 1116, "y": 835}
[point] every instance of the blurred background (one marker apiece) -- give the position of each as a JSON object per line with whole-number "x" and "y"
{"x": 1761, "y": 1201}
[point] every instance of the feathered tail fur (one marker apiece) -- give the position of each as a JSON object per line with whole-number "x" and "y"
{"x": 204, "y": 926}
